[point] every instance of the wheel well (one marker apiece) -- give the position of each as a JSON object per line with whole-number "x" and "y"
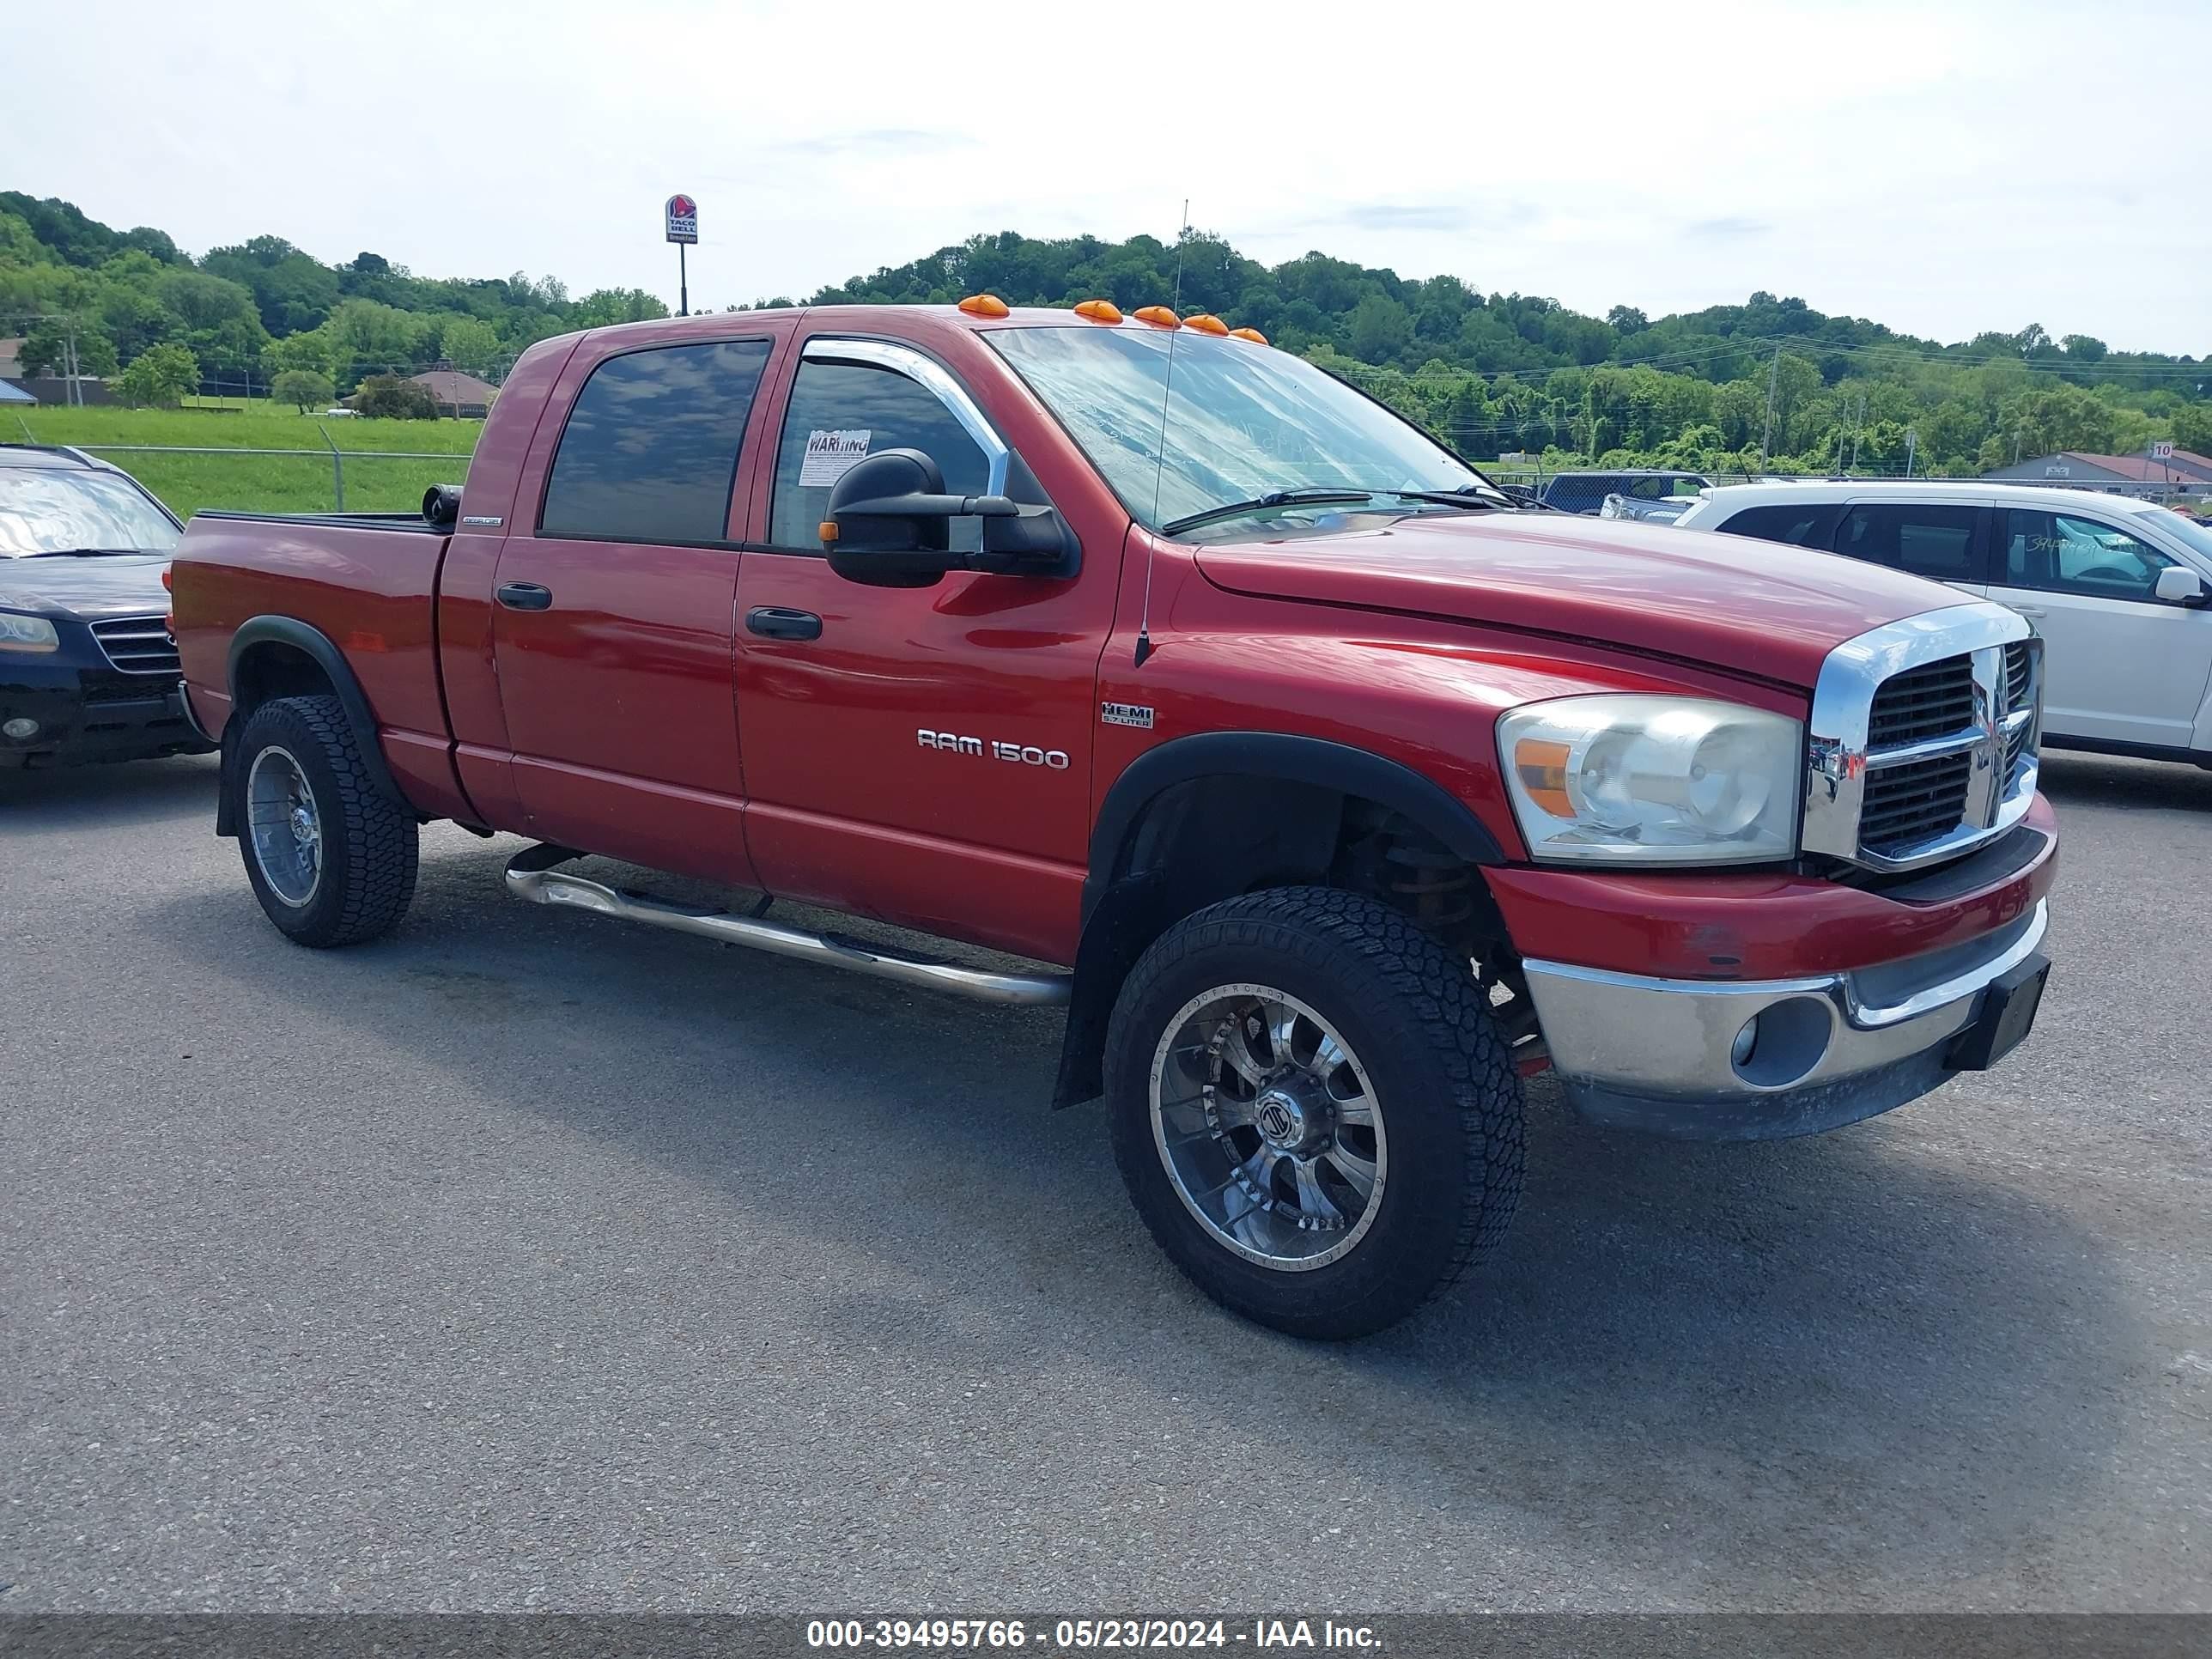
{"x": 1211, "y": 838}
{"x": 271, "y": 669}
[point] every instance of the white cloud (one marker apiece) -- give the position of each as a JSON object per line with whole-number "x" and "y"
{"x": 1942, "y": 169}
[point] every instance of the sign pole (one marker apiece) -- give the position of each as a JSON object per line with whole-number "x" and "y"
{"x": 682, "y": 283}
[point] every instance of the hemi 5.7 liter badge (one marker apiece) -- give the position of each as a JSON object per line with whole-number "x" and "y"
{"x": 1125, "y": 713}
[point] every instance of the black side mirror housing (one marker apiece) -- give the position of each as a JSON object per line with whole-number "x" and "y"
{"x": 889, "y": 523}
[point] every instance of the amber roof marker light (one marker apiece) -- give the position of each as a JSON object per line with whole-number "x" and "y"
{"x": 1158, "y": 316}
{"x": 1251, "y": 334}
{"x": 984, "y": 305}
{"x": 1099, "y": 311}
{"x": 1206, "y": 322}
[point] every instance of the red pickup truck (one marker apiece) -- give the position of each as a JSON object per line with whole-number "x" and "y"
{"x": 1343, "y": 792}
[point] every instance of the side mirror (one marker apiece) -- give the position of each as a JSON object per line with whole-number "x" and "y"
{"x": 2178, "y": 584}
{"x": 888, "y": 522}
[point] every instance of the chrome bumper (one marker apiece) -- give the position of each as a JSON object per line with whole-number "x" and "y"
{"x": 1661, "y": 1053}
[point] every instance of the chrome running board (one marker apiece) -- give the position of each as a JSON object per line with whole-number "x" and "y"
{"x": 528, "y": 878}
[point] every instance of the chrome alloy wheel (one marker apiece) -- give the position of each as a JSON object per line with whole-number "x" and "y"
{"x": 1268, "y": 1126}
{"x": 286, "y": 828}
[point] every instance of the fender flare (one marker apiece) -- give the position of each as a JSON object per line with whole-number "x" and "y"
{"x": 315, "y": 645}
{"x": 1119, "y": 907}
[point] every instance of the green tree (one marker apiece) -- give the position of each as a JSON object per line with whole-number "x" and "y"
{"x": 1380, "y": 329}
{"x": 393, "y": 398}
{"x": 162, "y": 377}
{"x": 45, "y": 349}
{"x": 303, "y": 388}
{"x": 470, "y": 345}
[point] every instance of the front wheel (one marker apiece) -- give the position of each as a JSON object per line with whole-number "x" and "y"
{"x": 329, "y": 855}
{"x": 1313, "y": 1109}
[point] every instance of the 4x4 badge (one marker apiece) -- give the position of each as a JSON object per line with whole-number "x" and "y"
{"x": 1125, "y": 713}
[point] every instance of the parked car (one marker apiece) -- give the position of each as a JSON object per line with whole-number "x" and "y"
{"x": 1645, "y": 509}
{"x": 1586, "y": 492}
{"x": 2116, "y": 587}
{"x": 1346, "y": 792}
{"x": 87, "y": 671}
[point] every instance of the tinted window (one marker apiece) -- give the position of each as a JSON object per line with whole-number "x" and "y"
{"x": 877, "y": 408}
{"x": 650, "y": 451}
{"x": 2060, "y": 553}
{"x": 1799, "y": 524}
{"x": 1936, "y": 542}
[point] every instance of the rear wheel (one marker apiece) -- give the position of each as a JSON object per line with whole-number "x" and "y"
{"x": 329, "y": 855}
{"x": 1313, "y": 1109}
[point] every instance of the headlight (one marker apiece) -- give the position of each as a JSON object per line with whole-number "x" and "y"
{"x": 19, "y": 633}
{"x": 1632, "y": 780}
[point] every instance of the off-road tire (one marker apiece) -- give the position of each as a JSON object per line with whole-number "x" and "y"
{"x": 1449, "y": 1096}
{"x": 368, "y": 840}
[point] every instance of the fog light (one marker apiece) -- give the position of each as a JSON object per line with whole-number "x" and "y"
{"x": 1746, "y": 1040}
{"x": 21, "y": 729}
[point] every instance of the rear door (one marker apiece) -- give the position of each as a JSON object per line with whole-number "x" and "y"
{"x": 2120, "y": 665}
{"x": 613, "y": 618}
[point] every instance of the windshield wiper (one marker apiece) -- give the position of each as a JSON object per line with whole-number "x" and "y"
{"x": 1261, "y": 503}
{"x": 1465, "y": 498}
{"x": 90, "y": 553}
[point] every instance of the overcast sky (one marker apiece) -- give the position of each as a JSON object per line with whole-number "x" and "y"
{"x": 1943, "y": 168}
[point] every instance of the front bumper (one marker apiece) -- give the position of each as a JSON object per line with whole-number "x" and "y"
{"x": 86, "y": 711}
{"x": 1660, "y": 1055}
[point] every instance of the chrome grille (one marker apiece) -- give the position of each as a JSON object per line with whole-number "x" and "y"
{"x": 1923, "y": 703}
{"x": 1922, "y": 744}
{"x": 137, "y": 645}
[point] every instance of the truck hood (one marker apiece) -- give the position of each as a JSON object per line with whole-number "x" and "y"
{"x": 88, "y": 589}
{"x": 1729, "y": 602}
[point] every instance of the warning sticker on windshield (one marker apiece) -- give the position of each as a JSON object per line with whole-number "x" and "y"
{"x": 831, "y": 456}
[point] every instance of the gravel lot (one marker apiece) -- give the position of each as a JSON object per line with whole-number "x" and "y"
{"x": 524, "y": 1259}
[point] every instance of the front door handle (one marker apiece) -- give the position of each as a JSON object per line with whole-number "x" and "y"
{"x": 2030, "y": 611}
{"x": 776, "y": 622}
{"x": 525, "y": 596}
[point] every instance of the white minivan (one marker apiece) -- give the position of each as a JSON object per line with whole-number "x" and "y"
{"x": 2116, "y": 587}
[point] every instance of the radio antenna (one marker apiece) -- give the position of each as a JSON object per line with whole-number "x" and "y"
{"x": 1160, "y": 467}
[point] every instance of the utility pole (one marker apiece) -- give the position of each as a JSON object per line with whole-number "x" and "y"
{"x": 1773, "y": 373}
{"x": 1911, "y": 440}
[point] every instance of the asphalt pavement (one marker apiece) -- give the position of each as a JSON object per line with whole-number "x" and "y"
{"x": 525, "y": 1259}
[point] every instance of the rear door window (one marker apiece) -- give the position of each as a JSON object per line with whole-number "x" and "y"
{"x": 1801, "y": 524}
{"x": 1943, "y": 544}
{"x": 650, "y": 451}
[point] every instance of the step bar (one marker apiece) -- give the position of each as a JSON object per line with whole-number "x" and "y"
{"x": 530, "y": 876}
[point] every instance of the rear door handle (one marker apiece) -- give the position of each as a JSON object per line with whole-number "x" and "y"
{"x": 525, "y": 596}
{"x": 776, "y": 622}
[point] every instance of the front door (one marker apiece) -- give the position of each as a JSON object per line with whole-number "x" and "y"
{"x": 919, "y": 754}
{"x": 612, "y": 620}
{"x": 2120, "y": 665}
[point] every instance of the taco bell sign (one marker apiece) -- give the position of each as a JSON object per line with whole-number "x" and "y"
{"x": 683, "y": 219}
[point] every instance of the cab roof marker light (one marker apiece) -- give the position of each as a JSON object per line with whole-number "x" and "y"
{"x": 1206, "y": 322}
{"x": 1099, "y": 311}
{"x": 1158, "y": 317}
{"x": 984, "y": 305}
{"x": 1251, "y": 334}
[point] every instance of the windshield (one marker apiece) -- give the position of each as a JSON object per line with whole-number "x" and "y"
{"x": 2192, "y": 530}
{"x": 1245, "y": 422}
{"x": 60, "y": 510}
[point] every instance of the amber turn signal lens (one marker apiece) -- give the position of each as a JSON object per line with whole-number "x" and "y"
{"x": 1206, "y": 322}
{"x": 1158, "y": 317}
{"x": 984, "y": 305}
{"x": 166, "y": 586}
{"x": 1251, "y": 334}
{"x": 828, "y": 530}
{"x": 1542, "y": 765}
{"x": 1099, "y": 311}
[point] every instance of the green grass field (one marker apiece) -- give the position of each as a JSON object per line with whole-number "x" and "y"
{"x": 258, "y": 483}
